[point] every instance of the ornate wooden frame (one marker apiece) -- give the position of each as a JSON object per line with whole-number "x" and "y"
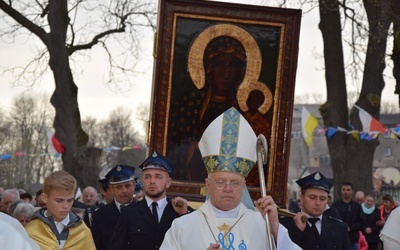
{"x": 269, "y": 37}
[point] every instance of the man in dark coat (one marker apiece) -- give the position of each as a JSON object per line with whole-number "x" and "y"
{"x": 143, "y": 225}
{"x": 350, "y": 213}
{"x": 90, "y": 210}
{"x": 104, "y": 220}
{"x": 319, "y": 231}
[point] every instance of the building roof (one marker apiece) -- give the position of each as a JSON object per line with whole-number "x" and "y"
{"x": 312, "y": 108}
{"x": 389, "y": 120}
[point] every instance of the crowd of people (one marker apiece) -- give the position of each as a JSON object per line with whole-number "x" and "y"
{"x": 129, "y": 213}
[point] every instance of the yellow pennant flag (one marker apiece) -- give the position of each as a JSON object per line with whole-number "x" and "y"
{"x": 355, "y": 134}
{"x": 308, "y": 124}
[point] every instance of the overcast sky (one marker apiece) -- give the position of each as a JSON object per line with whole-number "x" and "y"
{"x": 97, "y": 99}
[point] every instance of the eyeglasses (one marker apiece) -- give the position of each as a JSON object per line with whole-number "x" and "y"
{"x": 233, "y": 184}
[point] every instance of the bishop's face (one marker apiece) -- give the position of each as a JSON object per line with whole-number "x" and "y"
{"x": 225, "y": 189}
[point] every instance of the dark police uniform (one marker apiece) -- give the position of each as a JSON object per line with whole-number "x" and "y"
{"x": 137, "y": 228}
{"x": 106, "y": 217}
{"x": 333, "y": 233}
{"x": 103, "y": 223}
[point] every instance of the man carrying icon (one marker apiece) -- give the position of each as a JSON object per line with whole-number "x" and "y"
{"x": 319, "y": 231}
{"x": 142, "y": 225}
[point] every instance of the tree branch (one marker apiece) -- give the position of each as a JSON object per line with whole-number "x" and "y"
{"x": 18, "y": 17}
{"x": 123, "y": 23}
{"x": 73, "y": 48}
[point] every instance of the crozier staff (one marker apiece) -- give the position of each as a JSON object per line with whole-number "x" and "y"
{"x": 228, "y": 149}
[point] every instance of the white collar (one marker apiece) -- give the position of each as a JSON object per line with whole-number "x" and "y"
{"x": 119, "y": 205}
{"x": 64, "y": 222}
{"x": 233, "y": 213}
{"x": 161, "y": 203}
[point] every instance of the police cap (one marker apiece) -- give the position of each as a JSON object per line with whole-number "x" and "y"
{"x": 315, "y": 180}
{"x": 120, "y": 173}
{"x": 157, "y": 161}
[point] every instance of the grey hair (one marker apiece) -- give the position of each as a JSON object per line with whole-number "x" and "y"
{"x": 11, "y": 207}
{"x": 11, "y": 191}
{"x": 24, "y": 208}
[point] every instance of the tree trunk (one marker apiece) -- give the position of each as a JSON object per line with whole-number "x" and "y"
{"x": 334, "y": 112}
{"x": 352, "y": 159}
{"x": 396, "y": 44}
{"x": 67, "y": 122}
{"x": 379, "y": 20}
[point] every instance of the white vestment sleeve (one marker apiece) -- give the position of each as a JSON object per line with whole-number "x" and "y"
{"x": 13, "y": 235}
{"x": 284, "y": 242}
{"x": 171, "y": 241}
{"x": 390, "y": 234}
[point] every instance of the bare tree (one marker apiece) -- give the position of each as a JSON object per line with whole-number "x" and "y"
{"x": 118, "y": 129}
{"x": 317, "y": 97}
{"x": 142, "y": 115}
{"x": 302, "y": 99}
{"x": 92, "y": 128}
{"x": 388, "y": 107}
{"x": 350, "y": 157}
{"x": 116, "y": 136}
{"x": 67, "y": 29}
{"x": 28, "y": 117}
{"x": 4, "y": 127}
{"x": 5, "y": 136}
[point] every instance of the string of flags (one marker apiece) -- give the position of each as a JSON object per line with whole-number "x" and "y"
{"x": 372, "y": 128}
{"x": 8, "y": 156}
{"x": 114, "y": 148}
{"x": 57, "y": 148}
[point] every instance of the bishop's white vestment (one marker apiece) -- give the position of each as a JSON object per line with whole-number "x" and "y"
{"x": 13, "y": 235}
{"x": 200, "y": 229}
{"x": 390, "y": 234}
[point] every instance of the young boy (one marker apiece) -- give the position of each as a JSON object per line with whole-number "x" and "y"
{"x": 56, "y": 227}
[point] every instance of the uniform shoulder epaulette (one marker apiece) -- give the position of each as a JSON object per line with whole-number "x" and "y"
{"x": 100, "y": 208}
{"x": 285, "y": 218}
{"x": 334, "y": 218}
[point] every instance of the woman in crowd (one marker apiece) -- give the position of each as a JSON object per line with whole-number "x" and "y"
{"x": 388, "y": 204}
{"x": 23, "y": 213}
{"x": 371, "y": 229}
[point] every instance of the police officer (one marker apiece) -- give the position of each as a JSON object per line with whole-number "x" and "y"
{"x": 143, "y": 225}
{"x": 319, "y": 231}
{"x": 122, "y": 186}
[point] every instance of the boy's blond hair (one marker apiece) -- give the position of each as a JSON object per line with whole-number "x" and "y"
{"x": 59, "y": 180}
